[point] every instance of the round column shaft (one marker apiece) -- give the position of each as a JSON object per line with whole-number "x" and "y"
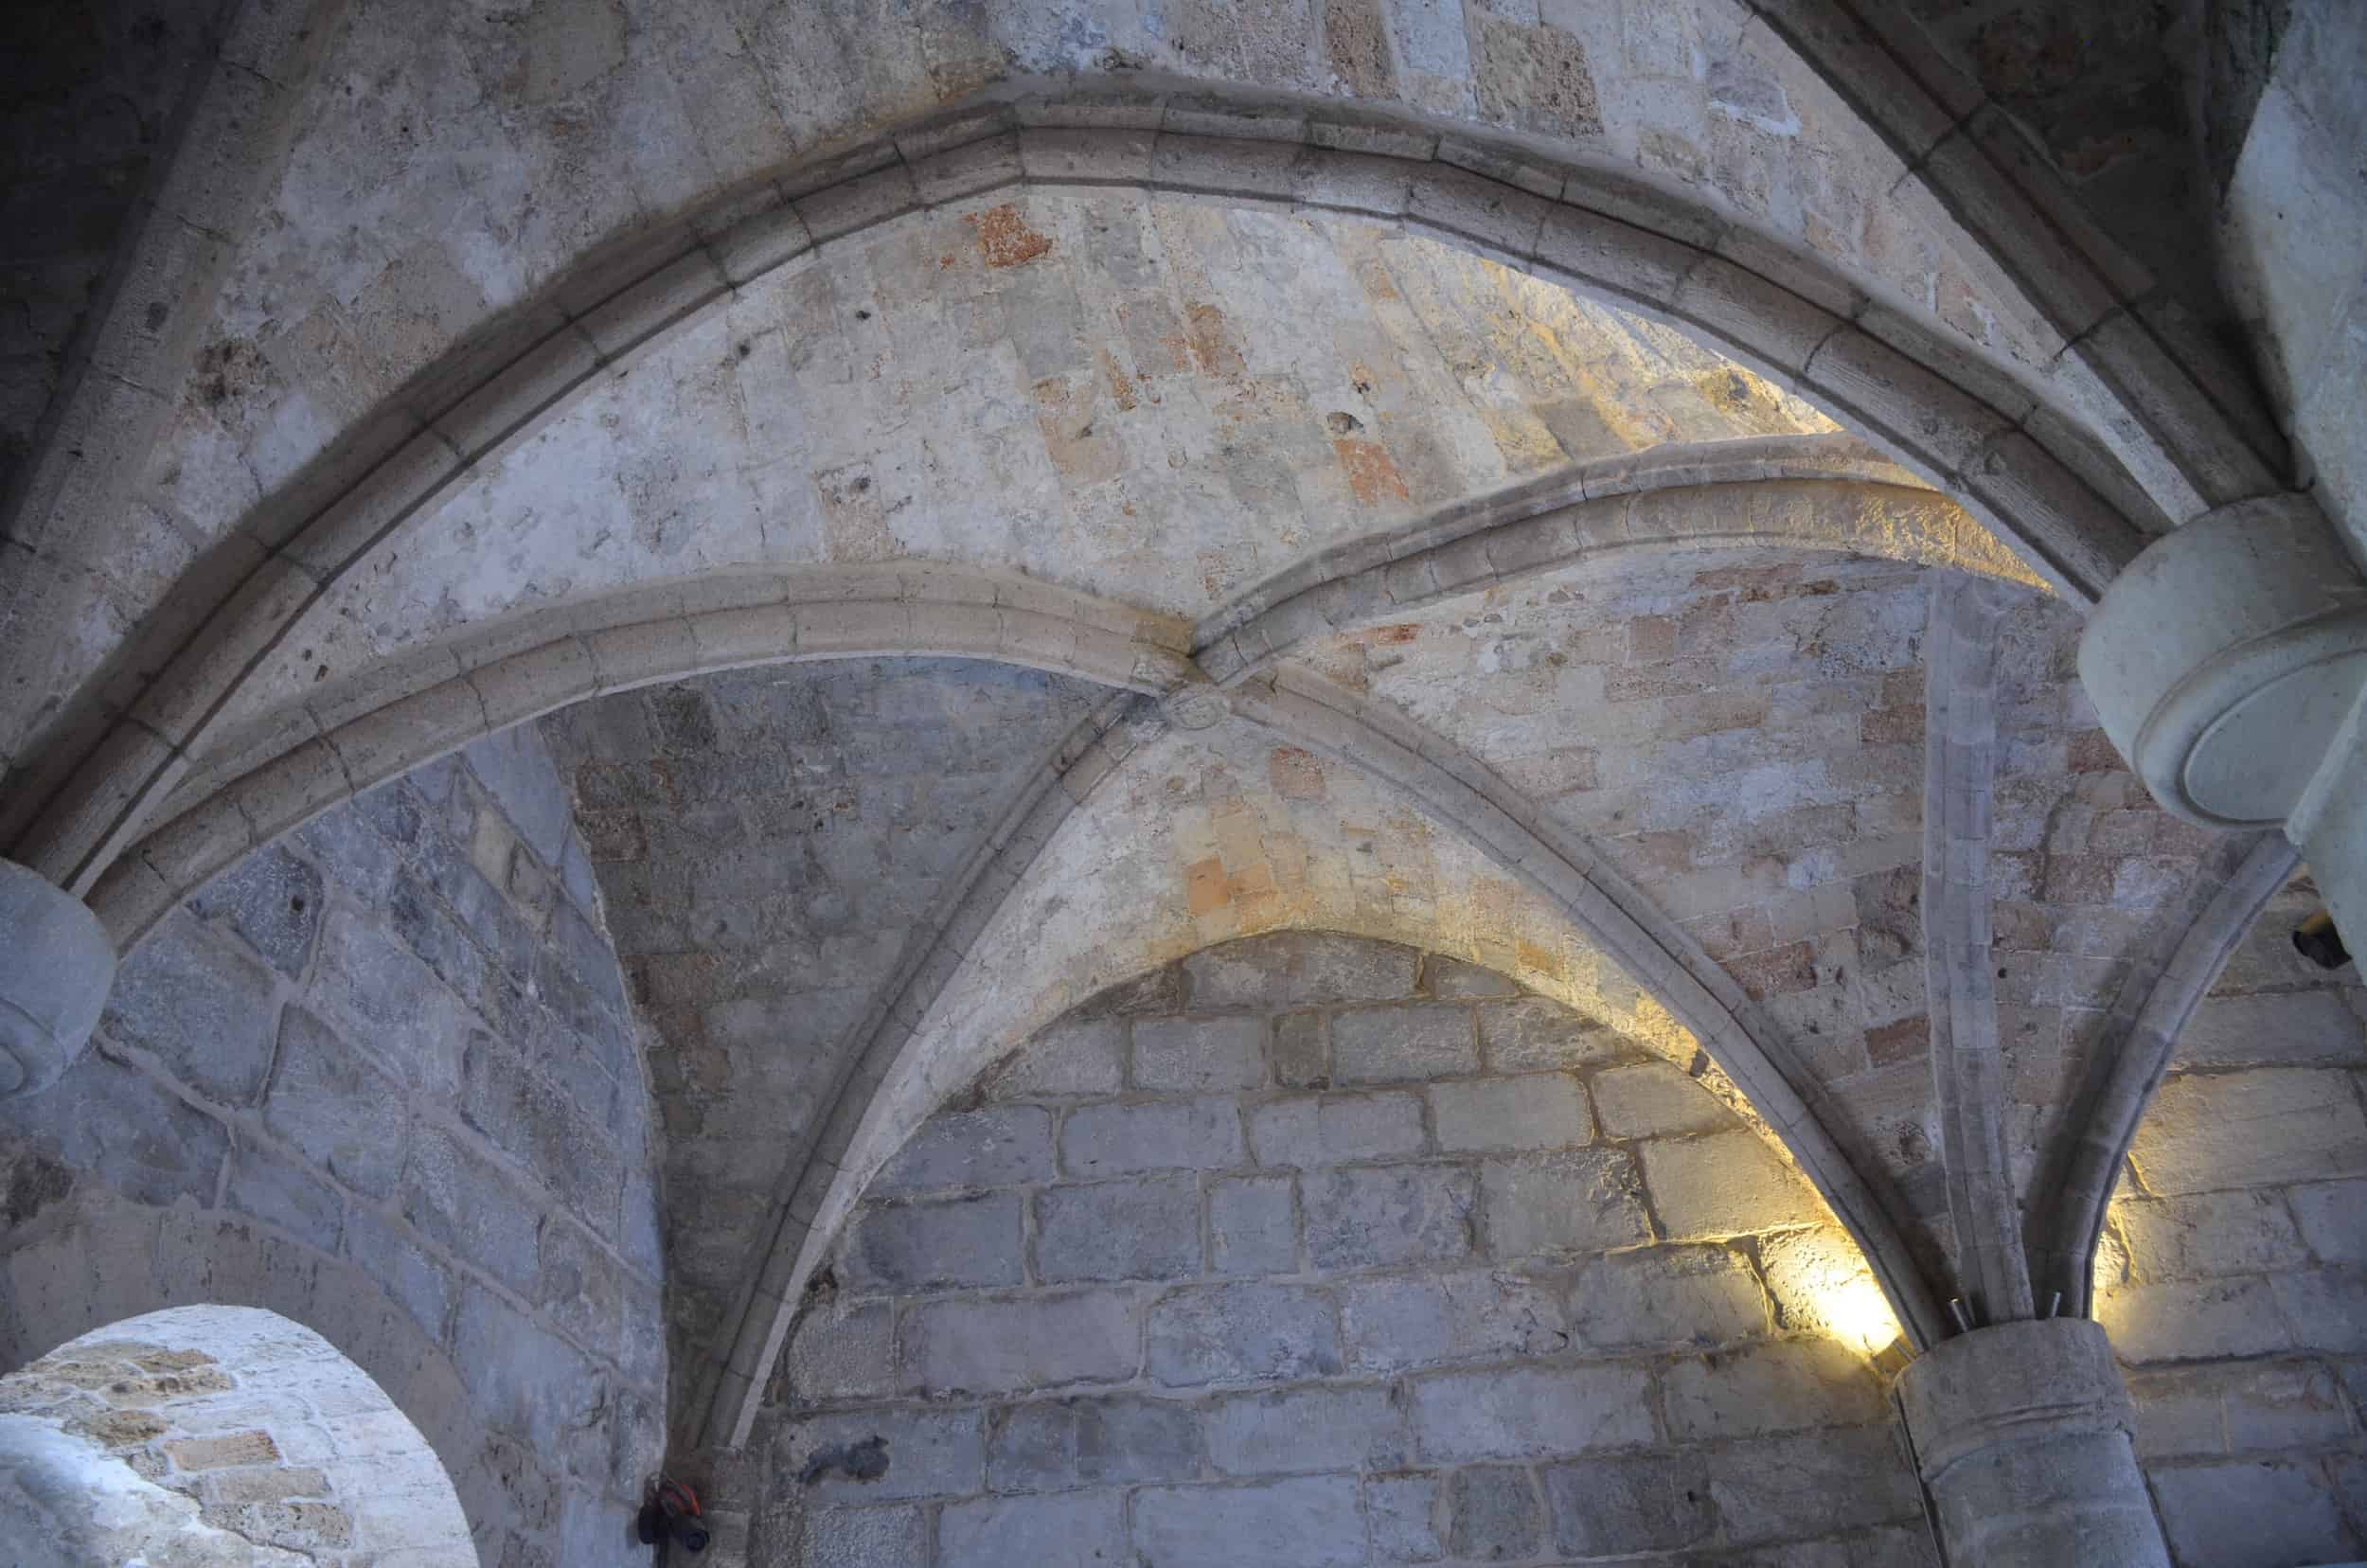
{"x": 2022, "y": 1435}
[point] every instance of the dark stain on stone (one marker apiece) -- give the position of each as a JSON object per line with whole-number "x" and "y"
{"x": 1342, "y": 423}
{"x": 864, "y": 1461}
{"x": 35, "y": 1182}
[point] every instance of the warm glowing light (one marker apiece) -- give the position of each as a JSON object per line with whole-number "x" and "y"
{"x": 1826, "y": 1286}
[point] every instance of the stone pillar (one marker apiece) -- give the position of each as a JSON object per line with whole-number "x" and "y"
{"x": 56, "y": 966}
{"x": 2023, "y": 1433}
{"x": 2229, "y": 664}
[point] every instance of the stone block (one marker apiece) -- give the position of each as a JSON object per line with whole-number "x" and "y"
{"x": 2206, "y": 1234}
{"x": 208, "y": 1012}
{"x": 283, "y": 1193}
{"x": 1146, "y": 1228}
{"x": 842, "y": 1350}
{"x": 889, "y": 1453}
{"x": 2207, "y": 1411}
{"x": 1493, "y": 1514}
{"x": 1315, "y": 1132}
{"x": 457, "y": 1198}
{"x": 1537, "y": 1035}
{"x": 1239, "y": 1334}
{"x": 1122, "y": 1140}
{"x": 1306, "y": 1522}
{"x": 1061, "y": 1531}
{"x": 1200, "y": 1055}
{"x": 580, "y": 1286}
{"x": 840, "y": 1536}
{"x": 1402, "y": 1517}
{"x": 1299, "y": 969}
{"x": 132, "y": 1133}
{"x": 2192, "y": 1321}
{"x": 1610, "y": 1506}
{"x": 2271, "y": 1028}
{"x": 379, "y": 994}
{"x": 2203, "y": 1131}
{"x": 1652, "y": 1099}
{"x": 1398, "y": 1324}
{"x": 420, "y": 1284}
{"x": 1074, "y": 1057}
{"x": 2251, "y": 1511}
{"x": 528, "y": 1116}
{"x": 970, "y": 1345}
{"x": 1317, "y": 1428}
{"x": 954, "y": 1243}
{"x": 1000, "y": 1147}
{"x": 1253, "y": 1225}
{"x": 1770, "y": 1388}
{"x": 1728, "y": 1183}
{"x": 1053, "y": 1444}
{"x": 1533, "y": 1110}
{"x": 1775, "y": 1488}
{"x": 1453, "y": 980}
{"x": 1379, "y": 1216}
{"x": 273, "y": 900}
{"x": 336, "y": 1106}
{"x": 1581, "y": 1202}
{"x": 2328, "y": 1308}
{"x": 1302, "y": 1051}
{"x": 1402, "y": 1045}
{"x": 1531, "y": 1412}
{"x": 2332, "y": 1217}
{"x": 1667, "y": 1296}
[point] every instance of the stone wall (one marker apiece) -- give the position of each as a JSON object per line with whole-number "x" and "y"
{"x": 2233, "y": 1274}
{"x": 1750, "y": 756}
{"x": 381, "y": 1076}
{"x": 771, "y": 844}
{"x": 1309, "y": 1250}
{"x": 279, "y": 1440}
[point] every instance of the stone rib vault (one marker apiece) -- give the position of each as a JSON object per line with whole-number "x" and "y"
{"x": 1183, "y": 785}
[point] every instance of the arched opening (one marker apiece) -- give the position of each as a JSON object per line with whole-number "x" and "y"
{"x": 216, "y": 1437}
{"x": 1307, "y": 1249}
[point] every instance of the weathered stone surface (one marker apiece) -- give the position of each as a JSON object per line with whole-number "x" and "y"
{"x": 1119, "y": 1140}
{"x": 1050, "y": 1444}
{"x": 2260, "y": 1511}
{"x": 1533, "y": 1035}
{"x": 1398, "y": 1324}
{"x": 335, "y": 1105}
{"x": 1298, "y": 1523}
{"x": 1308, "y": 1429}
{"x": 1401, "y": 1516}
{"x": 1724, "y": 1185}
{"x": 1602, "y": 1507}
{"x": 932, "y": 1244}
{"x": 1199, "y": 1054}
{"x": 1039, "y": 1341}
{"x": 1300, "y": 970}
{"x": 1667, "y": 1296}
{"x": 1496, "y": 1514}
{"x": 1069, "y": 1530}
{"x": 1531, "y": 1412}
{"x": 209, "y": 1012}
{"x": 842, "y": 1537}
{"x": 1147, "y": 1228}
{"x": 873, "y": 1456}
{"x": 2205, "y": 1131}
{"x": 1401, "y": 1044}
{"x": 1533, "y": 1110}
{"x": 843, "y": 1350}
{"x": 1769, "y": 1388}
{"x": 273, "y": 901}
{"x": 1236, "y": 1333}
{"x": 1653, "y": 1099}
{"x": 1579, "y": 1201}
{"x": 1253, "y": 1225}
{"x": 1326, "y": 1130}
{"x": 1375, "y": 1216}
{"x": 1074, "y": 1057}
{"x": 977, "y": 1148}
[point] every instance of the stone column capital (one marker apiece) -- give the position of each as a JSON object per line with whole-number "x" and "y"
{"x": 2022, "y": 1432}
{"x": 56, "y": 966}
